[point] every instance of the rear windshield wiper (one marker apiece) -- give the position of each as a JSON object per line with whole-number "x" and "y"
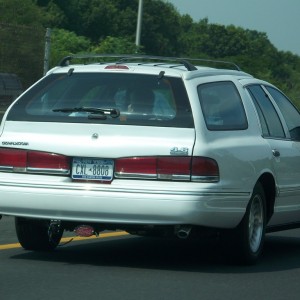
{"x": 95, "y": 111}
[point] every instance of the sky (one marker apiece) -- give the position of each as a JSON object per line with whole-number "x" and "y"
{"x": 279, "y": 19}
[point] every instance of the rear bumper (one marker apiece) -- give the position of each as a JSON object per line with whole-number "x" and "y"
{"x": 124, "y": 202}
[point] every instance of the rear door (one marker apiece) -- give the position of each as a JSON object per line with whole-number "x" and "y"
{"x": 277, "y": 126}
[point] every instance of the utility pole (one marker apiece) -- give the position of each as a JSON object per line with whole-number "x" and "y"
{"x": 139, "y": 24}
{"x": 47, "y": 50}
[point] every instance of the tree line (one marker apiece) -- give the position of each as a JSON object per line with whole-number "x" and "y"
{"x": 109, "y": 26}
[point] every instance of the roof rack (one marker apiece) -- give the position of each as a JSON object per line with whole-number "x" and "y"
{"x": 180, "y": 61}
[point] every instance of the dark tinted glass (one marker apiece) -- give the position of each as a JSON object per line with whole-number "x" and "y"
{"x": 289, "y": 111}
{"x": 222, "y": 106}
{"x": 269, "y": 118}
{"x": 141, "y": 100}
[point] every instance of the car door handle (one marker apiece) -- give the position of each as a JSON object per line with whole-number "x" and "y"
{"x": 276, "y": 153}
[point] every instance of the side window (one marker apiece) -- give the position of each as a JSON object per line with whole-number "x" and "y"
{"x": 222, "y": 106}
{"x": 269, "y": 118}
{"x": 288, "y": 110}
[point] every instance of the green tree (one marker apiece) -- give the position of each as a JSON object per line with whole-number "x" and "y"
{"x": 24, "y": 12}
{"x": 104, "y": 26}
{"x": 97, "y": 19}
{"x": 160, "y": 28}
{"x": 64, "y": 43}
{"x": 116, "y": 45}
{"x": 94, "y": 19}
{"x": 22, "y": 40}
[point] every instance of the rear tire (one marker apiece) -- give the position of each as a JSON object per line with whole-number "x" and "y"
{"x": 247, "y": 240}
{"x": 37, "y": 234}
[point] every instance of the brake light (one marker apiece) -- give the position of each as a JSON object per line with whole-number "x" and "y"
{"x": 116, "y": 67}
{"x": 201, "y": 169}
{"x": 136, "y": 167}
{"x": 173, "y": 168}
{"x": 205, "y": 169}
{"x": 18, "y": 160}
{"x": 47, "y": 162}
{"x": 12, "y": 158}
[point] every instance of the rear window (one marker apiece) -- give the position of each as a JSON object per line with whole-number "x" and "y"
{"x": 222, "y": 106}
{"x": 141, "y": 100}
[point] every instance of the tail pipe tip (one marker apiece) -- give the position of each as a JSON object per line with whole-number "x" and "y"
{"x": 183, "y": 232}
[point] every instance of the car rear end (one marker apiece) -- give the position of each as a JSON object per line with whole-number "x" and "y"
{"x": 77, "y": 148}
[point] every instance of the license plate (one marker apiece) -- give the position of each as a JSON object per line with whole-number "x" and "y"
{"x": 92, "y": 169}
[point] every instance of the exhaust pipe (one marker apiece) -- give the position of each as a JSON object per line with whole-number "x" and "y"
{"x": 183, "y": 232}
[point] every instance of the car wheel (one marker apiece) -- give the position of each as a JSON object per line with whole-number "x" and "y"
{"x": 246, "y": 241}
{"x": 38, "y": 235}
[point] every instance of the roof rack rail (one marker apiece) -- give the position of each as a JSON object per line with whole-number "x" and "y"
{"x": 131, "y": 57}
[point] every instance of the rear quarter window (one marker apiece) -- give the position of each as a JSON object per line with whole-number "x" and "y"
{"x": 222, "y": 106}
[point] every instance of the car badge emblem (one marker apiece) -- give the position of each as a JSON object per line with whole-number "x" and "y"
{"x": 95, "y": 135}
{"x": 179, "y": 151}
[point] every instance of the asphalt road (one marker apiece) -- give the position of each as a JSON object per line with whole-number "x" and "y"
{"x": 129, "y": 267}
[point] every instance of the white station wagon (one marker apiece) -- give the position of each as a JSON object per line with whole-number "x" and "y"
{"x": 152, "y": 146}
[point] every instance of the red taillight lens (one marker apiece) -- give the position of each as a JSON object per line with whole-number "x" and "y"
{"x": 18, "y": 160}
{"x": 116, "y": 67}
{"x": 174, "y": 168}
{"x": 44, "y": 160}
{"x": 12, "y": 158}
{"x": 205, "y": 169}
{"x": 183, "y": 168}
{"x": 132, "y": 167}
{"x": 173, "y": 165}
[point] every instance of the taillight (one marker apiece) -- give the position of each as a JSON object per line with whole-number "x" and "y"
{"x": 136, "y": 167}
{"x": 205, "y": 169}
{"x": 38, "y": 162}
{"x": 116, "y": 67}
{"x": 201, "y": 169}
{"x": 18, "y": 160}
{"x": 174, "y": 168}
{"x": 12, "y": 158}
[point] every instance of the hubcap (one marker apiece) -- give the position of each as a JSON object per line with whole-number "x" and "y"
{"x": 256, "y": 223}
